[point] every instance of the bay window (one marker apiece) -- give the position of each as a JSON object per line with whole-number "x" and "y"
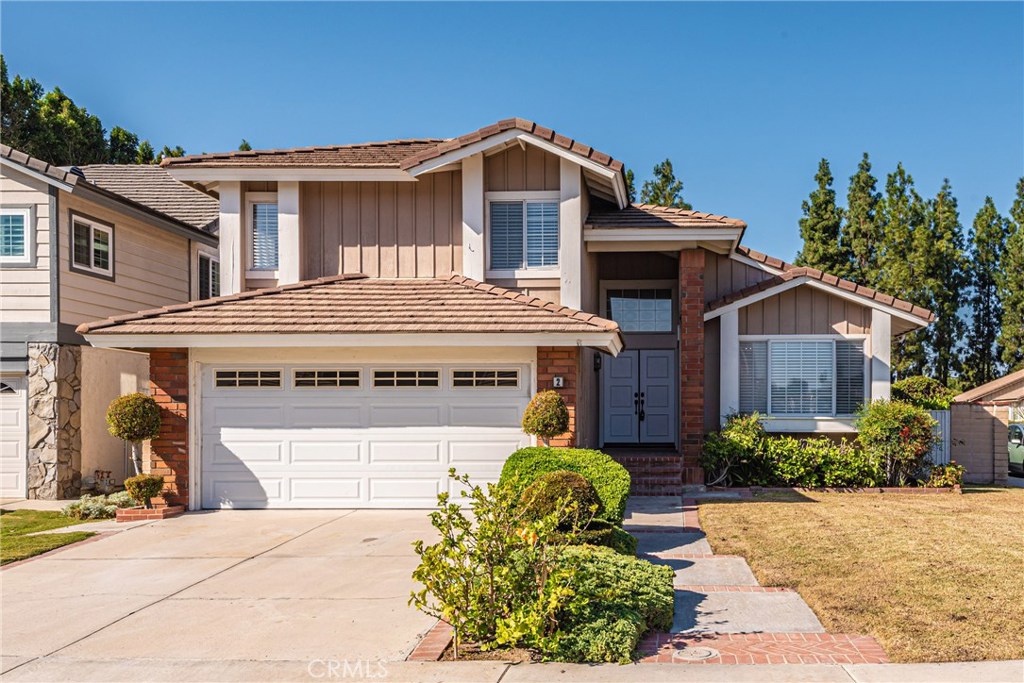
{"x": 801, "y": 377}
{"x": 523, "y": 234}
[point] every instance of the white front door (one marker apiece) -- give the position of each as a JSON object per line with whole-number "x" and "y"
{"x": 352, "y": 436}
{"x": 13, "y": 437}
{"x": 639, "y": 398}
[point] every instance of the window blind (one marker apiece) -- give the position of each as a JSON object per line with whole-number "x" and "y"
{"x": 802, "y": 377}
{"x": 849, "y": 377}
{"x": 264, "y": 236}
{"x": 541, "y": 234}
{"x": 753, "y": 377}
{"x": 506, "y": 235}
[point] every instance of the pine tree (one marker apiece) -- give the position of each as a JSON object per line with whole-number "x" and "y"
{"x": 900, "y": 221}
{"x": 244, "y": 146}
{"x": 665, "y": 189}
{"x": 988, "y": 243}
{"x": 1011, "y": 287}
{"x": 941, "y": 250}
{"x": 860, "y": 231}
{"x": 630, "y": 185}
{"x": 820, "y": 227}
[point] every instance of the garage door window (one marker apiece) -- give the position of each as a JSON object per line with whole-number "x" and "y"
{"x": 406, "y": 378}
{"x": 242, "y": 379}
{"x": 326, "y": 378}
{"x": 485, "y": 378}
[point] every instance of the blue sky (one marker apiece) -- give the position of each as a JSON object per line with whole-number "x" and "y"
{"x": 744, "y": 98}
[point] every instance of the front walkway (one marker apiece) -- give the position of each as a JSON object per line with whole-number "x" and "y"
{"x": 723, "y": 616}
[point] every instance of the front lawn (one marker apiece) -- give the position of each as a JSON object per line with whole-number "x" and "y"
{"x": 934, "y": 578}
{"x": 15, "y": 524}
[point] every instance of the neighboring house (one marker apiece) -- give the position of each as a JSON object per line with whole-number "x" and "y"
{"x": 979, "y": 420}
{"x": 78, "y": 244}
{"x": 307, "y": 385}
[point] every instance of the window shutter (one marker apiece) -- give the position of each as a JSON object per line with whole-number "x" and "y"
{"x": 753, "y": 377}
{"x": 801, "y": 378}
{"x": 264, "y": 236}
{"x": 541, "y": 234}
{"x": 849, "y": 377}
{"x": 506, "y": 235}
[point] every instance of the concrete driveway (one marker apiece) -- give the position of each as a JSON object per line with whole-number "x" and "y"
{"x": 283, "y": 588}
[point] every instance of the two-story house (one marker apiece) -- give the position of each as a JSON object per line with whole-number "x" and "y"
{"x": 75, "y": 245}
{"x": 345, "y": 365}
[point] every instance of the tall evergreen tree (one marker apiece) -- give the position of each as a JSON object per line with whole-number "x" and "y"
{"x": 664, "y": 189}
{"x": 123, "y": 146}
{"x": 244, "y": 146}
{"x": 1011, "y": 287}
{"x": 860, "y": 231}
{"x": 940, "y": 248}
{"x": 901, "y": 217}
{"x": 820, "y": 227}
{"x": 630, "y": 185}
{"x": 145, "y": 153}
{"x": 988, "y": 243}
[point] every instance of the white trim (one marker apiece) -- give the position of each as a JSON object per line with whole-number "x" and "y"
{"x": 289, "y": 240}
{"x": 93, "y": 227}
{"x": 232, "y": 244}
{"x": 604, "y": 341}
{"x": 473, "y": 219}
{"x": 525, "y": 195}
{"x": 553, "y": 272}
{"x": 881, "y": 355}
{"x": 211, "y": 257}
{"x": 823, "y": 424}
{"x": 49, "y": 180}
{"x": 28, "y": 236}
{"x": 747, "y": 261}
{"x": 251, "y": 199}
{"x": 459, "y": 154}
{"x": 729, "y": 365}
{"x": 570, "y": 233}
{"x": 195, "y": 403}
{"x": 280, "y": 173}
{"x": 819, "y": 285}
{"x": 659, "y": 234}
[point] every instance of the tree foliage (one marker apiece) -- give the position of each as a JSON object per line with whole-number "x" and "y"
{"x": 244, "y": 146}
{"x": 1011, "y": 287}
{"x": 630, "y": 185}
{"x": 859, "y": 237}
{"x": 987, "y": 243}
{"x": 664, "y": 189}
{"x": 820, "y": 227}
{"x": 940, "y": 251}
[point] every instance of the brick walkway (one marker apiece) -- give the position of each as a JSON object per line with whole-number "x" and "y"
{"x": 761, "y": 648}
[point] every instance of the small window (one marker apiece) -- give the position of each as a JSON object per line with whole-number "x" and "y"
{"x": 15, "y": 235}
{"x": 209, "y": 277}
{"x": 485, "y": 378}
{"x": 92, "y": 248}
{"x": 406, "y": 378}
{"x": 327, "y": 378}
{"x": 263, "y": 237}
{"x": 6, "y": 388}
{"x": 641, "y": 310}
{"x": 247, "y": 378}
{"x": 523, "y": 234}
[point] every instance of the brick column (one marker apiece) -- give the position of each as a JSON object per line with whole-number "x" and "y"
{"x": 560, "y": 361}
{"x": 691, "y": 362}
{"x": 168, "y": 384}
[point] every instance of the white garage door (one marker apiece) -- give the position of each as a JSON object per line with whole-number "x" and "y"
{"x": 13, "y": 434}
{"x": 305, "y": 436}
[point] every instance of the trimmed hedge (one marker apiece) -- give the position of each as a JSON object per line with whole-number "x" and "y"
{"x": 609, "y": 477}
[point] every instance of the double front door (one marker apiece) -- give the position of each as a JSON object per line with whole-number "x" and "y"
{"x": 639, "y": 398}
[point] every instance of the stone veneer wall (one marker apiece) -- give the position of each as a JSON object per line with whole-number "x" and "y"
{"x": 54, "y": 421}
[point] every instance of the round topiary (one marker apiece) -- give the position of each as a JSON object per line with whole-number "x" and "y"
{"x": 546, "y": 416}
{"x": 134, "y": 418}
{"x": 542, "y": 498}
{"x": 144, "y": 487}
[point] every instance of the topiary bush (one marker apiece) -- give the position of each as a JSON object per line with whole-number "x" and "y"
{"x": 546, "y": 416}
{"x": 144, "y": 487}
{"x": 551, "y": 491}
{"x": 923, "y": 392}
{"x": 898, "y": 436}
{"x": 134, "y": 418}
{"x": 609, "y": 478}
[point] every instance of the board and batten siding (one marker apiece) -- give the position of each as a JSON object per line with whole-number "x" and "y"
{"x": 151, "y": 268}
{"x": 516, "y": 170}
{"x": 724, "y": 275}
{"x": 385, "y": 229}
{"x": 25, "y": 289}
{"x": 804, "y": 310}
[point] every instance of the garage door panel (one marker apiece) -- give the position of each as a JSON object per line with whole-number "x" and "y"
{"x": 326, "y": 491}
{"x": 484, "y": 415}
{"x": 407, "y": 491}
{"x": 325, "y": 416}
{"x": 238, "y": 414}
{"x": 231, "y": 452}
{"x": 13, "y": 437}
{"x": 326, "y": 452}
{"x": 486, "y": 452}
{"x": 243, "y": 492}
{"x": 405, "y": 451}
{"x": 409, "y": 415}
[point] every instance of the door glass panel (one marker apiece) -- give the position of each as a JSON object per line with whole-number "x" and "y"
{"x": 641, "y": 310}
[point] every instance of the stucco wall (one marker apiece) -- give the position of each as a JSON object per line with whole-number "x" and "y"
{"x": 978, "y": 435}
{"x": 107, "y": 374}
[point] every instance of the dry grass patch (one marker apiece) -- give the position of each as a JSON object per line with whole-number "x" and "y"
{"x": 934, "y": 578}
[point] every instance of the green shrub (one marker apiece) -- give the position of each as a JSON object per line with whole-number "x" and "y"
{"x": 603, "y": 533}
{"x": 134, "y": 418}
{"x": 144, "y": 487}
{"x": 851, "y": 467}
{"x": 795, "y": 464}
{"x": 553, "y": 490}
{"x": 610, "y": 479}
{"x": 731, "y": 456}
{"x": 617, "y": 600}
{"x": 98, "y": 507}
{"x": 946, "y": 476}
{"x": 898, "y": 436}
{"x": 546, "y": 416}
{"x": 923, "y": 392}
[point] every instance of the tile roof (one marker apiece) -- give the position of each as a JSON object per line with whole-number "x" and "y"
{"x": 388, "y": 154}
{"x": 791, "y": 272}
{"x": 152, "y": 186}
{"x": 513, "y": 124}
{"x": 55, "y": 172}
{"x": 770, "y": 261}
{"x": 1005, "y": 382}
{"x": 356, "y": 304}
{"x": 652, "y": 216}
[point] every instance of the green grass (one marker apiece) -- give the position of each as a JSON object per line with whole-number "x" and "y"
{"x": 15, "y": 524}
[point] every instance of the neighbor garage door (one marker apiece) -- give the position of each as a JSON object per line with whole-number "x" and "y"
{"x": 13, "y": 434}
{"x": 305, "y": 436}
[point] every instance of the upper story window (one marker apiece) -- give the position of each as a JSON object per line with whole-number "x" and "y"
{"x": 523, "y": 234}
{"x": 209, "y": 276}
{"x": 641, "y": 310}
{"x": 92, "y": 246}
{"x": 15, "y": 235}
{"x": 261, "y": 217}
{"x": 816, "y": 378}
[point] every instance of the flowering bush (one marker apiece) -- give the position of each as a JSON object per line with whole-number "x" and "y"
{"x": 546, "y": 416}
{"x": 898, "y": 436}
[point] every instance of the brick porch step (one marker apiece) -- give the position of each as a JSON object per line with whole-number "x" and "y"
{"x": 761, "y": 648}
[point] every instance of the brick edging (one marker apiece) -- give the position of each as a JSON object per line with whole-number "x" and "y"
{"x": 869, "y": 489}
{"x": 762, "y": 648}
{"x": 96, "y": 536}
{"x": 433, "y": 643}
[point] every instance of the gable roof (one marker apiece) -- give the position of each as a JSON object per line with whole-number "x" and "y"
{"x": 358, "y": 305}
{"x": 994, "y": 387}
{"x": 152, "y": 186}
{"x": 31, "y": 163}
{"x": 387, "y": 154}
{"x": 653, "y": 216}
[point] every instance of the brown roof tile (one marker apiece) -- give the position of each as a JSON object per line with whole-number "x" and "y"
{"x": 355, "y": 304}
{"x": 55, "y": 172}
{"x": 652, "y": 216}
{"x": 388, "y": 154}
